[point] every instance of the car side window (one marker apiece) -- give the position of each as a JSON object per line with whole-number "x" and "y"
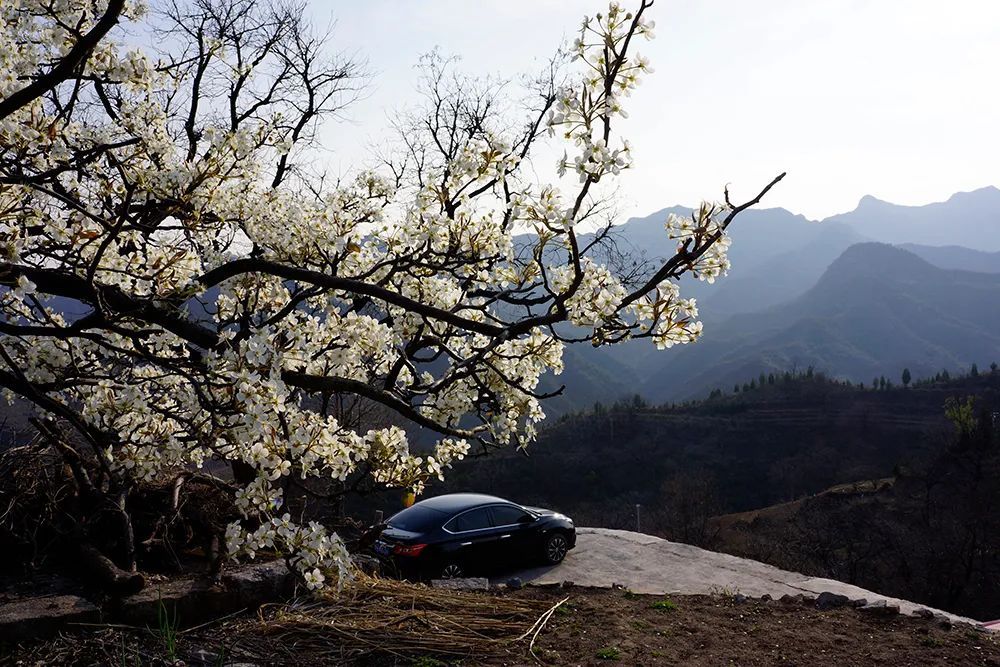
{"x": 508, "y": 515}
{"x": 471, "y": 520}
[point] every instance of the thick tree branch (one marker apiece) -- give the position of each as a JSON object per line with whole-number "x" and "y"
{"x": 68, "y": 65}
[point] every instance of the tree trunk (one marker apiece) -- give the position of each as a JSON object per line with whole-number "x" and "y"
{"x": 105, "y": 573}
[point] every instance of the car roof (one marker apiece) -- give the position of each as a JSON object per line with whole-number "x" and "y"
{"x": 455, "y": 502}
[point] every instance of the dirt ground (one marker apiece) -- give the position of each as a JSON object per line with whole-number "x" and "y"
{"x": 593, "y": 627}
{"x": 602, "y": 627}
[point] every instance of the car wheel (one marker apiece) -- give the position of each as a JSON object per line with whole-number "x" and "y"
{"x": 555, "y": 548}
{"x": 452, "y": 571}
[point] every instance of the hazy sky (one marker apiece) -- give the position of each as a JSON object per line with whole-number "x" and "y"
{"x": 895, "y": 98}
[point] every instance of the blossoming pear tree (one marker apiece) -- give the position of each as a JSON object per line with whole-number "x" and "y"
{"x": 182, "y": 286}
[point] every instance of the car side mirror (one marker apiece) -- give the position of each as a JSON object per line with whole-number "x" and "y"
{"x": 528, "y": 518}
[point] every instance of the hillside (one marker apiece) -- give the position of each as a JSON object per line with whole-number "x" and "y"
{"x": 956, "y": 257}
{"x": 587, "y": 378}
{"x": 741, "y": 452}
{"x": 930, "y": 533}
{"x": 874, "y": 311}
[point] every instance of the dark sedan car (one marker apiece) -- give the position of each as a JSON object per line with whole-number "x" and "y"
{"x": 465, "y": 533}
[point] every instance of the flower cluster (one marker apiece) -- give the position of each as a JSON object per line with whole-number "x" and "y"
{"x": 583, "y": 114}
{"x": 668, "y": 318}
{"x": 595, "y": 299}
{"x": 703, "y": 230}
{"x": 310, "y": 550}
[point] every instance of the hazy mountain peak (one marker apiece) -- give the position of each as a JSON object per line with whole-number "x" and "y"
{"x": 989, "y": 193}
{"x": 969, "y": 219}
{"x": 869, "y": 201}
{"x": 873, "y": 251}
{"x": 877, "y": 261}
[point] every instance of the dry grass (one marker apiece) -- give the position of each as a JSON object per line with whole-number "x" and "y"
{"x": 372, "y": 621}
{"x": 376, "y": 616}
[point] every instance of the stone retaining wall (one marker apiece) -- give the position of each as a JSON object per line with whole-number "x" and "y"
{"x": 189, "y": 600}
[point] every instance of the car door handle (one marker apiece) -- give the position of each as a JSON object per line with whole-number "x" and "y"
{"x": 466, "y": 544}
{"x": 504, "y": 536}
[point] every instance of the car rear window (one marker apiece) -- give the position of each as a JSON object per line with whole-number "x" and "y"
{"x": 471, "y": 520}
{"x": 508, "y": 515}
{"x": 417, "y": 519}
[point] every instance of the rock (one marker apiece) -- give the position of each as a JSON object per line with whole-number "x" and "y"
{"x": 944, "y": 622}
{"x": 30, "y": 618}
{"x": 924, "y": 613}
{"x": 183, "y": 601}
{"x": 739, "y": 598}
{"x": 548, "y": 584}
{"x": 515, "y": 584}
{"x": 880, "y": 608}
{"x": 765, "y": 598}
{"x": 194, "y": 600}
{"x": 860, "y": 602}
{"x": 462, "y": 584}
{"x": 260, "y": 582}
{"x": 567, "y": 584}
{"x": 828, "y": 600}
{"x": 367, "y": 564}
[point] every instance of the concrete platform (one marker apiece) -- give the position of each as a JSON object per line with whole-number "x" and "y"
{"x": 647, "y": 564}
{"x": 42, "y": 616}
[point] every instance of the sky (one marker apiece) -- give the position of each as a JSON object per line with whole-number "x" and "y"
{"x": 892, "y": 98}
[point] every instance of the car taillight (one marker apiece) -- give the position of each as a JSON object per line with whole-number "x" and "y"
{"x": 408, "y": 549}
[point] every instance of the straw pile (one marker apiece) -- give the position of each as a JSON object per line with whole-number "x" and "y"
{"x": 380, "y": 617}
{"x": 372, "y": 622}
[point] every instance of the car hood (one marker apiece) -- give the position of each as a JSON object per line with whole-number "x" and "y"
{"x": 541, "y": 511}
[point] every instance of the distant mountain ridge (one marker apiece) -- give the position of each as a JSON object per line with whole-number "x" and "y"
{"x": 970, "y": 219}
{"x": 875, "y": 310}
{"x": 762, "y": 239}
{"x": 778, "y": 257}
{"x": 956, "y": 257}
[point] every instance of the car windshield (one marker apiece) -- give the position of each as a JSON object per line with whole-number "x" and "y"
{"x": 417, "y": 519}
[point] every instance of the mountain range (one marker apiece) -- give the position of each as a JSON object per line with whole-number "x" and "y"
{"x": 819, "y": 293}
{"x": 967, "y": 219}
{"x": 876, "y": 310}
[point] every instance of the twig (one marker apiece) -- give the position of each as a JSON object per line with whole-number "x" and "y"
{"x": 213, "y": 621}
{"x": 539, "y": 624}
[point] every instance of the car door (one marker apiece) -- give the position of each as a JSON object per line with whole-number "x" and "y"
{"x": 516, "y": 537}
{"x": 473, "y": 540}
